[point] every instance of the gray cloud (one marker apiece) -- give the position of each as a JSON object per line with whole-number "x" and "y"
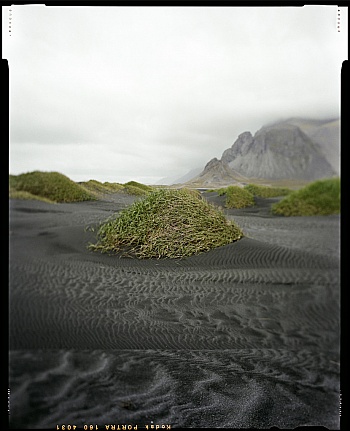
{"x": 123, "y": 93}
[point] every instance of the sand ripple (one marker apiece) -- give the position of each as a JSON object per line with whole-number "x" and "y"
{"x": 244, "y": 336}
{"x": 99, "y": 307}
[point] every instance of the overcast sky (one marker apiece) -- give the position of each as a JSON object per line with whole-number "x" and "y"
{"x": 141, "y": 93}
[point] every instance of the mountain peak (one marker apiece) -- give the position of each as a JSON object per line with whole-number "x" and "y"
{"x": 240, "y": 147}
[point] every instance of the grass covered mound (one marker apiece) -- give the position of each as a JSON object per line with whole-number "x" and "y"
{"x": 49, "y": 186}
{"x": 131, "y": 188}
{"x": 237, "y": 197}
{"x": 96, "y": 187}
{"x": 321, "y": 197}
{"x": 167, "y": 224}
{"x": 266, "y": 192}
{"x": 137, "y": 189}
{"x": 54, "y": 187}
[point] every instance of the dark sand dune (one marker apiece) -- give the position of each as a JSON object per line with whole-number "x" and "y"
{"x": 244, "y": 336}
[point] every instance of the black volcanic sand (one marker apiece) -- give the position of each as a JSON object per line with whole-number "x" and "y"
{"x": 244, "y": 336}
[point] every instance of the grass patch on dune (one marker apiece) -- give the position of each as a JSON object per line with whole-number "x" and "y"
{"x": 137, "y": 189}
{"x": 167, "y": 224}
{"x": 321, "y": 197}
{"x": 266, "y": 191}
{"x": 49, "y": 186}
{"x": 113, "y": 187}
{"x": 139, "y": 185}
{"x": 98, "y": 188}
{"x": 131, "y": 188}
{"x": 18, "y": 194}
{"x": 236, "y": 197}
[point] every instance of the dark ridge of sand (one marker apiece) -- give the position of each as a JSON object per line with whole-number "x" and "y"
{"x": 246, "y": 335}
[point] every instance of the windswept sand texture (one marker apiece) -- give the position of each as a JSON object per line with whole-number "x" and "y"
{"x": 246, "y": 335}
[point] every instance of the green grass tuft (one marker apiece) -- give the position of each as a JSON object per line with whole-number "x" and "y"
{"x": 236, "y": 197}
{"x": 137, "y": 189}
{"x": 52, "y": 186}
{"x": 167, "y": 224}
{"x": 113, "y": 187}
{"x": 321, "y": 197}
{"x": 266, "y": 192}
{"x": 139, "y": 185}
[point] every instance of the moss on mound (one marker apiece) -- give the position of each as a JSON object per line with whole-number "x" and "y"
{"x": 321, "y": 197}
{"x": 167, "y": 224}
{"x": 237, "y": 197}
{"x": 53, "y": 186}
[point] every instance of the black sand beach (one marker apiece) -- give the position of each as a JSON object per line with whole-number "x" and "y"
{"x": 244, "y": 336}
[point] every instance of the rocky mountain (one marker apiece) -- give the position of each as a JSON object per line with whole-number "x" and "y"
{"x": 324, "y": 133}
{"x": 294, "y": 149}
